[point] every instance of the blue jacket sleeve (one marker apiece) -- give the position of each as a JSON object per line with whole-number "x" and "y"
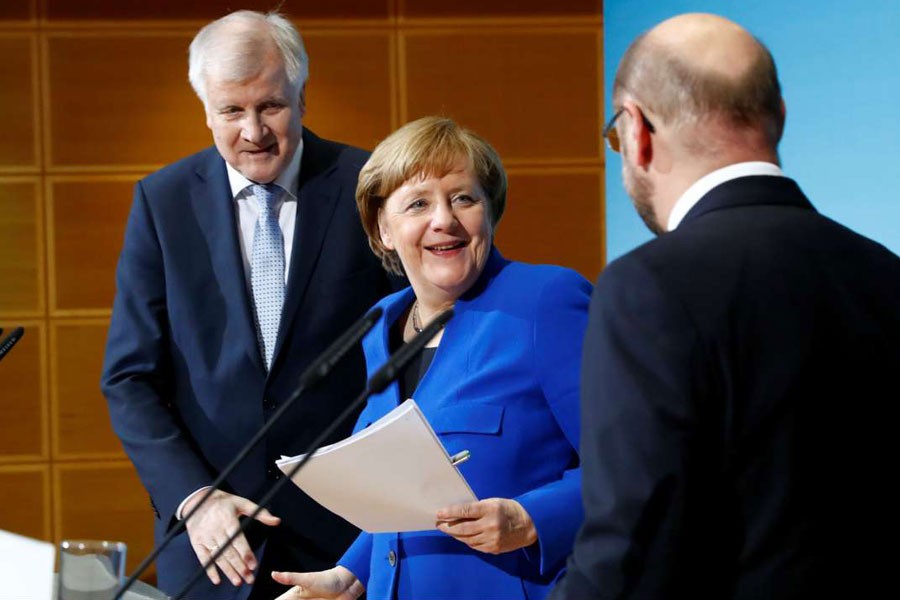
{"x": 137, "y": 372}
{"x": 558, "y": 336}
{"x": 358, "y": 557}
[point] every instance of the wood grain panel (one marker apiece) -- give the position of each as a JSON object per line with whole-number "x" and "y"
{"x": 349, "y": 92}
{"x": 505, "y": 8}
{"x": 23, "y": 400}
{"x": 119, "y": 100}
{"x": 79, "y": 418}
{"x": 104, "y": 501}
{"x": 21, "y": 247}
{"x": 87, "y": 224}
{"x": 554, "y": 218}
{"x": 25, "y": 501}
{"x": 533, "y": 95}
{"x": 211, "y": 9}
{"x": 17, "y": 101}
{"x": 16, "y": 10}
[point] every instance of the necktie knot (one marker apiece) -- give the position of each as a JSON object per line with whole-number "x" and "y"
{"x": 266, "y": 193}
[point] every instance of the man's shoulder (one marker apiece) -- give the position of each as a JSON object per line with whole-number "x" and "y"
{"x": 323, "y": 153}
{"x": 186, "y": 167}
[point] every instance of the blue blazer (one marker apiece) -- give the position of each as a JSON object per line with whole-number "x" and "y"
{"x": 738, "y": 386}
{"x": 183, "y": 375}
{"x": 503, "y": 385}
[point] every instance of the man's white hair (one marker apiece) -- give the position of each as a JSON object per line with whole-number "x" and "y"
{"x": 232, "y": 49}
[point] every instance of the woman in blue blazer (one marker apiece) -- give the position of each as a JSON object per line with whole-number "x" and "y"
{"x": 501, "y": 380}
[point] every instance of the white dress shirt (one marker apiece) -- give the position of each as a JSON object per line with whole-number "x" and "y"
{"x": 699, "y": 188}
{"x": 247, "y": 209}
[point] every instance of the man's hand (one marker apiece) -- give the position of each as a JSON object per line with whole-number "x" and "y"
{"x": 495, "y": 525}
{"x": 334, "y": 584}
{"x": 213, "y": 524}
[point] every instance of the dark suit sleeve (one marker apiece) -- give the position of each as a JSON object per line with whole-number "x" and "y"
{"x": 137, "y": 374}
{"x": 638, "y": 439}
{"x": 558, "y": 334}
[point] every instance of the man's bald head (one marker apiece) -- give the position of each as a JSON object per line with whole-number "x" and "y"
{"x": 700, "y": 68}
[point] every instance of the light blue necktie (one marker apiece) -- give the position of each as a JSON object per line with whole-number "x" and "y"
{"x": 267, "y": 269}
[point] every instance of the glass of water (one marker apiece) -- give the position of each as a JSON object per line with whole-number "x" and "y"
{"x": 90, "y": 569}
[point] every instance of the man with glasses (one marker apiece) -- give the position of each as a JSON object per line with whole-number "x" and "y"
{"x": 736, "y": 369}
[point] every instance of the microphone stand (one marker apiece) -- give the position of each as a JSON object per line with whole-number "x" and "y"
{"x": 380, "y": 380}
{"x": 14, "y": 336}
{"x": 312, "y": 375}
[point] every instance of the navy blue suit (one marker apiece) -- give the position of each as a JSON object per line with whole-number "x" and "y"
{"x": 737, "y": 377}
{"x": 184, "y": 378}
{"x": 503, "y": 385}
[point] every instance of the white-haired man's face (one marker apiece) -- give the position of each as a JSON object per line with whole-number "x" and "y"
{"x": 256, "y": 123}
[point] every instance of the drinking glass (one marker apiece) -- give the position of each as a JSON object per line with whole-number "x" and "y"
{"x": 90, "y": 569}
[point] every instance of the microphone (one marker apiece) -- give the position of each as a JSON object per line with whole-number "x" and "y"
{"x": 385, "y": 375}
{"x": 406, "y": 353}
{"x": 11, "y": 340}
{"x": 312, "y": 375}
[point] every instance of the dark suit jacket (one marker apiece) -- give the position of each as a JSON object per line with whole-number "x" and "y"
{"x": 736, "y": 379}
{"x": 183, "y": 375}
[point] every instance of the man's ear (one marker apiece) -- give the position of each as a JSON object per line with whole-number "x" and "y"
{"x": 302, "y": 102}
{"x": 639, "y": 132}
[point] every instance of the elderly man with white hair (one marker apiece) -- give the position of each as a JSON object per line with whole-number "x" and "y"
{"x": 240, "y": 264}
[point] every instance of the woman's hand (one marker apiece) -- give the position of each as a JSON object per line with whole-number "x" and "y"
{"x": 495, "y": 525}
{"x": 334, "y": 584}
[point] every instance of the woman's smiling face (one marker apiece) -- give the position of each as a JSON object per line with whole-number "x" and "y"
{"x": 440, "y": 228}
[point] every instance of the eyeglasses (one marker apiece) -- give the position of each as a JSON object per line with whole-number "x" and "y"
{"x": 611, "y": 135}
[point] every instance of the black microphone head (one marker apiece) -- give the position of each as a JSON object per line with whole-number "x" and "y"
{"x": 11, "y": 340}
{"x": 391, "y": 369}
{"x": 339, "y": 348}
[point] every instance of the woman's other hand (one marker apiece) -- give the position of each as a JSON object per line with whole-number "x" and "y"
{"x": 334, "y": 584}
{"x": 495, "y": 525}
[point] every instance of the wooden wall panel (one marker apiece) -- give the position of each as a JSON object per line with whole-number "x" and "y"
{"x": 17, "y": 10}
{"x": 25, "y": 501}
{"x": 212, "y": 9}
{"x": 21, "y": 247}
{"x": 505, "y": 8}
{"x": 94, "y": 94}
{"x": 23, "y": 395}
{"x": 533, "y": 95}
{"x": 110, "y": 106}
{"x": 80, "y": 422}
{"x": 104, "y": 501}
{"x": 349, "y": 92}
{"x": 554, "y": 218}
{"x": 87, "y": 224}
{"x": 18, "y": 145}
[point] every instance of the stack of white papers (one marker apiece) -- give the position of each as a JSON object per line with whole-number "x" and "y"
{"x": 392, "y": 476}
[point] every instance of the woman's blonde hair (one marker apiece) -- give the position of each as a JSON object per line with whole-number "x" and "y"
{"x": 431, "y": 146}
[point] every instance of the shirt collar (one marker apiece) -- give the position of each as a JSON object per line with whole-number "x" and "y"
{"x": 699, "y": 188}
{"x": 288, "y": 179}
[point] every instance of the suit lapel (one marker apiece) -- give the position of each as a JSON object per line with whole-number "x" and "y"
{"x": 317, "y": 199}
{"x": 214, "y": 210}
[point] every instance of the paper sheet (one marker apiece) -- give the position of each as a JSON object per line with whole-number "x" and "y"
{"x": 26, "y": 568}
{"x": 392, "y": 476}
